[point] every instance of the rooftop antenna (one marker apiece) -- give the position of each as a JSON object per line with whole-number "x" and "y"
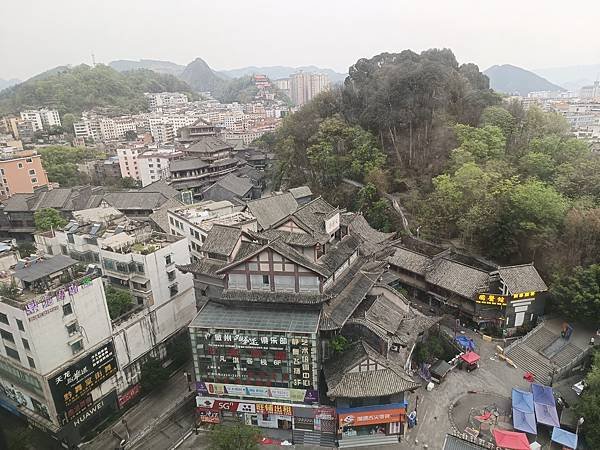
{"x": 93, "y": 60}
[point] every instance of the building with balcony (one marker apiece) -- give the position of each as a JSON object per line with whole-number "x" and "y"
{"x": 193, "y": 174}
{"x": 153, "y": 165}
{"x": 197, "y": 131}
{"x": 21, "y": 172}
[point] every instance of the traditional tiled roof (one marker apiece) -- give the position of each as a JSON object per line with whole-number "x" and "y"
{"x": 204, "y": 266}
{"x": 312, "y": 217}
{"x": 360, "y": 226}
{"x": 221, "y": 240}
{"x": 135, "y": 200}
{"x": 247, "y": 249}
{"x": 162, "y": 187}
{"x": 354, "y": 286}
{"x": 522, "y": 278}
{"x": 409, "y": 260}
{"x": 341, "y": 383}
{"x": 62, "y": 199}
{"x": 290, "y": 253}
{"x": 294, "y": 239}
{"x": 160, "y": 216}
{"x": 293, "y": 298}
{"x": 455, "y": 277}
{"x": 269, "y": 210}
{"x": 44, "y": 267}
{"x": 231, "y": 183}
{"x": 300, "y": 192}
{"x": 339, "y": 253}
{"x": 190, "y": 163}
{"x": 208, "y": 145}
{"x": 455, "y": 443}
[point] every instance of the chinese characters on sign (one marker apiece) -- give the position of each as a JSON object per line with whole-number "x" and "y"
{"x": 47, "y": 303}
{"x": 492, "y": 299}
{"x": 132, "y": 393}
{"x": 208, "y": 415}
{"x": 522, "y": 295}
{"x": 80, "y": 378}
{"x": 272, "y": 361}
{"x": 267, "y": 408}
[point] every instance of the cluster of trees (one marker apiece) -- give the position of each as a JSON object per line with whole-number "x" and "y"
{"x": 242, "y": 90}
{"x": 119, "y": 301}
{"x": 81, "y": 88}
{"x": 588, "y": 406}
{"x": 48, "y": 219}
{"x": 61, "y": 163}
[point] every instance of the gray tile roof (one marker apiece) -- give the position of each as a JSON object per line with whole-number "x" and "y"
{"x": 44, "y": 268}
{"x": 162, "y": 187}
{"x": 232, "y": 183}
{"x": 160, "y": 216}
{"x": 272, "y": 209}
{"x": 135, "y": 200}
{"x": 359, "y": 225}
{"x": 300, "y": 192}
{"x": 454, "y": 443}
{"x": 522, "y": 278}
{"x": 453, "y": 276}
{"x": 313, "y": 216}
{"x": 189, "y": 163}
{"x": 215, "y": 315}
{"x": 341, "y": 383}
{"x": 339, "y": 253}
{"x": 221, "y": 240}
{"x": 208, "y": 145}
{"x": 293, "y": 239}
{"x": 204, "y": 266}
{"x": 409, "y": 260}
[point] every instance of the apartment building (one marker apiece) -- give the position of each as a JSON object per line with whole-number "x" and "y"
{"x": 21, "y": 172}
{"x": 41, "y": 119}
{"x": 153, "y": 165}
{"x": 128, "y": 162}
{"x": 305, "y": 86}
{"x": 165, "y": 99}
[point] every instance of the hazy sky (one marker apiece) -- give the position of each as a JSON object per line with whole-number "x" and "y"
{"x": 38, "y": 35}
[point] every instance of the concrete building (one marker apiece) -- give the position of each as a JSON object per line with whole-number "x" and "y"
{"x": 153, "y": 165}
{"x": 196, "y": 220}
{"x": 305, "y": 86}
{"x": 128, "y": 162}
{"x": 158, "y": 100}
{"x": 42, "y": 119}
{"x": 198, "y": 130}
{"x": 21, "y": 172}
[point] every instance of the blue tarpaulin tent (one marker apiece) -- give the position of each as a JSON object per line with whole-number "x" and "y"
{"x": 546, "y": 414}
{"x": 522, "y": 400}
{"x": 465, "y": 342}
{"x": 524, "y": 421}
{"x": 564, "y": 437}
{"x": 542, "y": 394}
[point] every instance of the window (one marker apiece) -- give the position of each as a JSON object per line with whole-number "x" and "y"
{"x": 265, "y": 279}
{"x": 173, "y": 290}
{"x": 72, "y": 329}
{"x": 26, "y": 344}
{"x": 7, "y": 336}
{"x": 2, "y": 171}
{"x": 13, "y": 353}
{"x": 67, "y": 309}
{"x": 140, "y": 268}
{"x": 64, "y": 250}
{"x": 28, "y": 160}
{"x": 236, "y": 281}
{"x": 168, "y": 260}
{"x": 259, "y": 282}
{"x": 20, "y": 165}
{"x": 171, "y": 275}
{"x": 20, "y": 325}
{"x": 4, "y": 318}
{"x": 171, "y": 221}
{"x": 31, "y": 171}
{"x": 34, "y": 180}
{"x": 31, "y": 362}
{"x": 77, "y": 346}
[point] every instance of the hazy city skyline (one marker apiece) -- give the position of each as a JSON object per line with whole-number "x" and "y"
{"x": 330, "y": 34}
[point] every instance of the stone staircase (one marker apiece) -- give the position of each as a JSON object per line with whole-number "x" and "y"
{"x": 364, "y": 441}
{"x": 529, "y": 360}
{"x": 539, "y": 339}
{"x": 567, "y": 354}
{"x": 315, "y": 438}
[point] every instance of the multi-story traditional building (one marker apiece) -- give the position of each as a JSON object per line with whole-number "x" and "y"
{"x": 271, "y": 304}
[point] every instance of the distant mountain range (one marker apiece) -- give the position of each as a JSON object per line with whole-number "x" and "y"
{"x": 572, "y": 77}
{"x": 201, "y": 74}
{"x": 510, "y": 79}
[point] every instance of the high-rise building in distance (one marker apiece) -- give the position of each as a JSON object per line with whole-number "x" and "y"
{"x": 305, "y": 86}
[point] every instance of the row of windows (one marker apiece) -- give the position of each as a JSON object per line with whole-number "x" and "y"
{"x": 283, "y": 283}
{"x": 4, "y": 320}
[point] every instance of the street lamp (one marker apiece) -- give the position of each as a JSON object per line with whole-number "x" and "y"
{"x": 579, "y": 423}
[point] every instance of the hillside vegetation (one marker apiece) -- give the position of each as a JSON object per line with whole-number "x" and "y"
{"x": 510, "y": 79}
{"x": 73, "y": 90}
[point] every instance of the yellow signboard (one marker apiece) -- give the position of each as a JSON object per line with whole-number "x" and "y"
{"x": 522, "y": 295}
{"x": 492, "y": 299}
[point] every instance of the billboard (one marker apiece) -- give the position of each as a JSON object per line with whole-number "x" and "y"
{"x": 371, "y": 417}
{"x": 74, "y": 383}
{"x": 308, "y": 396}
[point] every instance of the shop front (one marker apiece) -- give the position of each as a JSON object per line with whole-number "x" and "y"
{"x": 314, "y": 426}
{"x": 374, "y": 421}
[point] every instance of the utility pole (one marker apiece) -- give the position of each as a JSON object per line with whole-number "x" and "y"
{"x": 93, "y": 60}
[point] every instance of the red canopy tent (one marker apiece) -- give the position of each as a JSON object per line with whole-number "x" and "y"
{"x": 470, "y": 357}
{"x": 511, "y": 440}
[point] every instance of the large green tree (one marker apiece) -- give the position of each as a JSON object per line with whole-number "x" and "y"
{"x": 589, "y": 405}
{"x": 576, "y": 295}
{"x": 119, "y": 301}
{"x": 237, "y": 436}
{"x": 47, "y": 219}
{"x": 61, "y": 163}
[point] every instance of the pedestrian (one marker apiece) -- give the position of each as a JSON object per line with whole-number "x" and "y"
{"x": 592, "y": 341}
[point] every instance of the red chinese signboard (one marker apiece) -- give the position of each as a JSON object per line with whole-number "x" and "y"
{"x": 206, "y": 415}
{"x": 132, "y": 393}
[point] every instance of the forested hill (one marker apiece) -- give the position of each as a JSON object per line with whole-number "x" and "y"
{"x": 80, "y": 88}
{"x": 515, "y": 80}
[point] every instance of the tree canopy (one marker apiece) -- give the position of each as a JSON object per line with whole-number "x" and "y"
{"x": 119, "y": 301}
{"x": 81, "y": 88}
{"x": 238, "y": 436}
{"x": 61, "y": 163}
{"x": 576, "y": 295}
{"x": 589, "y": 405}
{"x": 47, "y": 219}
